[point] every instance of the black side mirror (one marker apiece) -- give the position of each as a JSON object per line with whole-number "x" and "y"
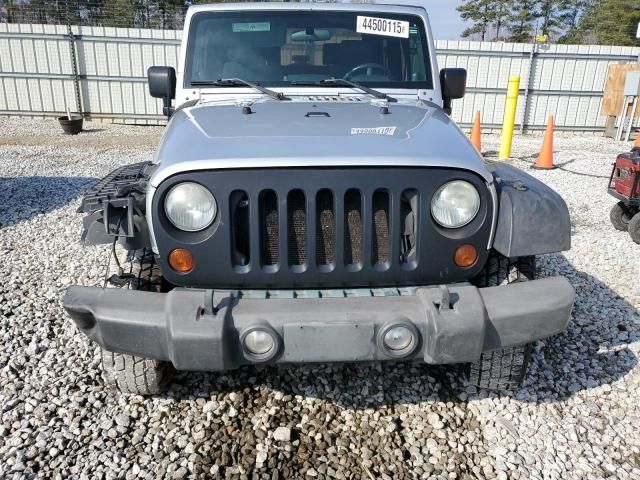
{"x": 162, "y": 84}
{"x": 453, "y": 82}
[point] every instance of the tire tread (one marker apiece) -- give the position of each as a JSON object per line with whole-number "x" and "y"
{"x": 634, "y": 228}
{"x": 502, "y": 369}
{"x": 621, "y": 216}
{"x": 133, "y": 374}
{"x": 130, "y": 373}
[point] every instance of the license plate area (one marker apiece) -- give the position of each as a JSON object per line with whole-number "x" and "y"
{"x": 321, "y": 342}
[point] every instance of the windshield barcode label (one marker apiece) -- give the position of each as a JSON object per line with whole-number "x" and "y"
{"x": 383, "y": 26}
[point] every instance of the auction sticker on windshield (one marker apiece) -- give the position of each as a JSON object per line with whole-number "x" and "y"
{"x": 251, "y": 27}
{"x": 382, "y": 26}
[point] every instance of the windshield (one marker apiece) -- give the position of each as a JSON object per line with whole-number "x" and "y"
{"x": 276, "y": 48}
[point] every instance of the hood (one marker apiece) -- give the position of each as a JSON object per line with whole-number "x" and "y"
{"x": 313, "y": 132}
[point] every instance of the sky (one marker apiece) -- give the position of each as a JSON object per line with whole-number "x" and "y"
{"x": 445, "y": 20}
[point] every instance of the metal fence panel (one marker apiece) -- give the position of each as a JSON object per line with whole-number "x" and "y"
{"x": 37, "y": 78}
{"x": 564, "y": 80}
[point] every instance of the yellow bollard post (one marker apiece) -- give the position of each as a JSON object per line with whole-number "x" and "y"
{"x": 509, "y": 119}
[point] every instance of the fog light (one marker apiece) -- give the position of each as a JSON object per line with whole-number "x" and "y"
{"x": 259, "y": 342}
{"x": 465, "y": 256}
{"x": 398, "y": 339}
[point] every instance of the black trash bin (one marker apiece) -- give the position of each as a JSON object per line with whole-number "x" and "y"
{"x": 71, "y": 126}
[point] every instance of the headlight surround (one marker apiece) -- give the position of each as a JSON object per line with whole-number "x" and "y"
{"x": 455, "y": 204}
{"x": 190, "y": 206}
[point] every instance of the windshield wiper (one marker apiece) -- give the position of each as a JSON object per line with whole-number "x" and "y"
{"x": 330, "y": 82}
{"x": 232, "y": 82}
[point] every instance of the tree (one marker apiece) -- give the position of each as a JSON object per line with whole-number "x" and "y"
{"x": 501, "y": 16}
{"x": 615, "y": 22}
{"x": 521, "y": 21}
{"x": 171, "y": 13}
{"x": 481, "y": 13}
{"x": 551, "y": 14}
{"x": 10, "y": 9}
{"x": 572, "y": 17}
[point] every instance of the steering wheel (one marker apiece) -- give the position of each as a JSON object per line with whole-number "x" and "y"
{"x": 369, "y": 69}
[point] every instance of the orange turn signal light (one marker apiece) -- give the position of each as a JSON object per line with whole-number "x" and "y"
{"x": 465, "y": 256}
{"x": 181, "y": 260}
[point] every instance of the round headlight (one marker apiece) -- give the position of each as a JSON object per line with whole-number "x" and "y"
{"x": 190, "y": 206}
{"x": 455, "y": 204}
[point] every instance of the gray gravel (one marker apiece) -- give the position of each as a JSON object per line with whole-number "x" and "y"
{"x": 576, "y": 416}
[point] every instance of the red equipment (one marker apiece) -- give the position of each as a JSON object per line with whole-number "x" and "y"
{"x": 624, "y": 184}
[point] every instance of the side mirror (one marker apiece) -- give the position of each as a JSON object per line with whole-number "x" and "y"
{"x": 162, "y": 84}
{"x": 453, "y": 82}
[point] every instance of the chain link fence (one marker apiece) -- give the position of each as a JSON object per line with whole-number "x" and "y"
{"x": 104, "y": 13}
{"x": 166, "y": 14}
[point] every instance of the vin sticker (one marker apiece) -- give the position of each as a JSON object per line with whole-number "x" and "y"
{"x": 382, "y": 26}
{"x": 374, "y": 131}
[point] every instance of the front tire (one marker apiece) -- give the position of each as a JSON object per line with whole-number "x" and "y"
{"x": 130, "y": 373}
{"x": 634, "y": 228}
{"x": 505, "y": 368}
{"x": 620, "y": 216}
{"x": 501, "y": 270}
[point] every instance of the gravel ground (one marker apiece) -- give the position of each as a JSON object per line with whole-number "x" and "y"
{"x": 576, "y": 416}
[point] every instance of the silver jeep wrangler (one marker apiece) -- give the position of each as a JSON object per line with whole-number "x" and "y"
{"x": 312, "y": 201}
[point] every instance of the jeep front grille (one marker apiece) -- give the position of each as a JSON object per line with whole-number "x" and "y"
{"x": 380, "y": 237}
{"x": 269, "y": 227}
{"x": 296, "y": 228}
{"x": 297, "y": 209}
{"x": 352, "y": 228}
{"x": 322, "y": 228}
{"x": 326, "y": 228}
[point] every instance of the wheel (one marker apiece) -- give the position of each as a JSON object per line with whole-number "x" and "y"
{"x": 129, "y": 373}
{"x": 634, "y": 228}
{"x": 501, "y": 270}
{"x": 620, "y": 216}
{"x": 145, "y": 272}
{"x": 502, "y": 369}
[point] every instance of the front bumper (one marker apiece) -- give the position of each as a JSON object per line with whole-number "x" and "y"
{"x": 202, "y": 329}
{"x": 629, "y": 201}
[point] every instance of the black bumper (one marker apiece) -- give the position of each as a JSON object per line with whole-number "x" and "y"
{"x": 201, "y": 329}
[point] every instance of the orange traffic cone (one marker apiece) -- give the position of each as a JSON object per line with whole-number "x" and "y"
{"x": 545, "y": 159}
{"x": 475, "y": 133}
